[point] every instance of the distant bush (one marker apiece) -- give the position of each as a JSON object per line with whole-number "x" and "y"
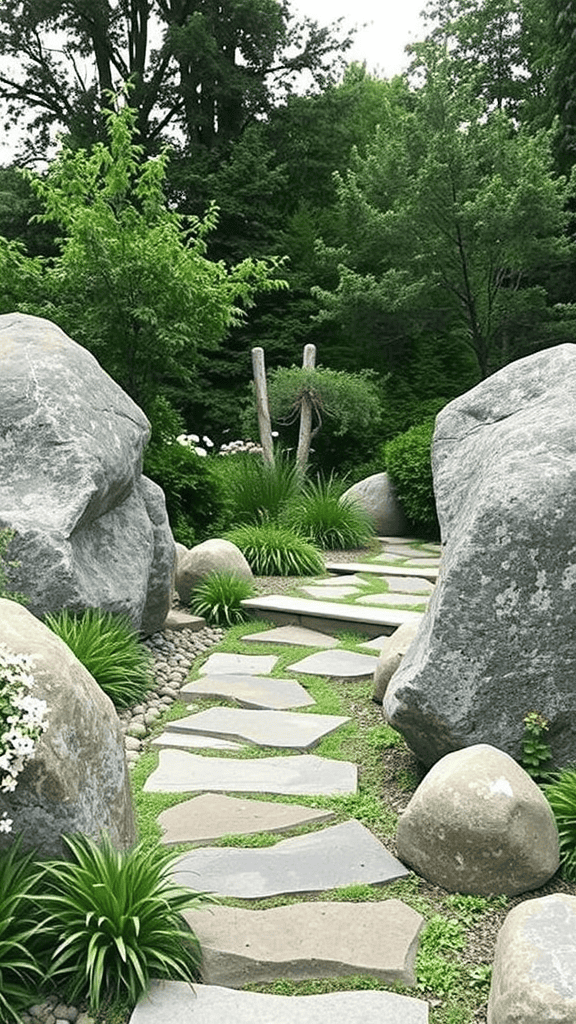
{"x": 189, "y": 488}
{"x": 409, "y": 464}
{"x": 274, "y": 550}
{"x": 322, "y": 516}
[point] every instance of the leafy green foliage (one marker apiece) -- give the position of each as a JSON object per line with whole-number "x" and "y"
{"x": 535, "y": 751}
{"x": 323, "y": 516}
{"x": 109, "y": 647}
{"x": 252, "y": 490}
{"x": 561, "y": 795}
{"x": 21, "y": 975}
{"x": 218, "y": 598}
{"x": 436, "y": 969}
{"x": 114, "y": 921}
{"x": 408, "y": 462}
{"x": 191, "y": 493}
{"x": 274, "y": 550}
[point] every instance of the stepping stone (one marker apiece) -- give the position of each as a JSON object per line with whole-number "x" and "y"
{"x": 250, "y": 691}
{"x": 408, "y": 585}
{"x": 286, "y": 729}
{"x": 422, "y": 563}
{"x": 179, "y": 1003}
{"x": 335, "y": 592}
{"x": 389, "y": 600}
{"x": 211, "y": 816}
{"x": 333, "y": 616}
{"x": 179, "y": 619}
{"x": 184, "y": 741}
{"x": 407, "y": 551}
{"x": 307, "y": 940}
{"x": 341, "y": 855}
{"x": 333, "y": 581}
{"x": 293, "y": 635}
{"x": 376, "y": 644}
{"x": 336, "y": 664}
{"x": 300, "y": 775}
{"x": 422, "y": 572}
{"x": 238, "y": 664}
{"x": 399, "y": 540}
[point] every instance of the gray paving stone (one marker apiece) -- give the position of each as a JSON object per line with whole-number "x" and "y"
{"x": 336, "y": 664}
{"x": 407, "y": 551}
{"x": 210, "y": 816}
{"x": 389, "y": 599}
{"x": 416, "y": 564}
{"x": 186, "y": 741}
{"x": 399, "y": 540}
{"x": 333, "y": 581}
{"x": 408, "y": 585}
{"x": 333, "y": 616}
{"x": 307, "y": 940}
{"x": 178, "y": 619}
{"x": 250, "y": 691}
{"x": 334, "y": 594}
{"x": 238, "y": 664}
{"x": 179, "y": 1003}
{"x": 376, "y": 644}
{"x": 295, "y": 636}
{"x": 422, "y": 572}
{"x": 286, "y": 729}
{"x": 340, "y": 855}
{"x": 299, "y": 775}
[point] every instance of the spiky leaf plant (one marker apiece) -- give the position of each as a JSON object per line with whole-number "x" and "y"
{"x": 109, "y": 647}
{"x": 561, "y": 795}
{"x": 218, "y": 598}
{"x": 20, "y": 973}
{"x": 274, "y": 550}
{"x": 114, "y": 920}
{"x": 323, "y": 516}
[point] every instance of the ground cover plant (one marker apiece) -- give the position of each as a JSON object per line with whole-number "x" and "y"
{"x": 109, "y": 647}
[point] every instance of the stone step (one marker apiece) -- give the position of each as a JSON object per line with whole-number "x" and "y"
{"x": 179, "y": 1003}
{"x": 337, "y": 856}
{"x": 370, "y": 621}
{"x": 290, "y": 730}
{"x": 249, "y": 691}
{"x": 210, "y": 816}
{"x": 307, "y": 940}
{"x": 426, "y": 572}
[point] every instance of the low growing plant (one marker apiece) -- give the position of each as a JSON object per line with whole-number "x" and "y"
{"x": 6, "y": 536}
{"x": 218, "y": 598}
{"x": 535, "y": 751}
{"x": 109, "y": 647}
{"x": 273, "y": 550}
{"x": 561, "y": 795}
{"x": 323, "y": 516}
{"x": 114, "y": 921}
{"x": 21, "y": 974}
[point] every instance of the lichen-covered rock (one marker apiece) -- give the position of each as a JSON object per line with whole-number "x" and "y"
{"x": 91, "y": 531}
{"x": 393, "y": 650}
{"x": 534, "y": 974}
{"x": 211, "y": 556}
{"x": 496, "y": 642}
{"x": 77, "y": 780}
{"x": 479, "y": 824}
{"x": 376, "y": 494}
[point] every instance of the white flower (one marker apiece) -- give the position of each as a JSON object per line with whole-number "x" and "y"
{"x": 6, "y": 823}
{"x": 8, "y": 784}
{"x": 207, "y": 441}
{"x": 201, "y": 451}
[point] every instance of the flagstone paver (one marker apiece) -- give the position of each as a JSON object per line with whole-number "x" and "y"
{"x": 422, "y": 572}
{"x": 340, "y": 855}
{"x": 298, "y": 775}
{"x": 250, "y": 691}
{"x": 333, "y": 581}
{"x": 308, "y": 612}
{"x": 307, "y": 940}
{"x": 339, "y": 664}
{"x": 376, "y": 644}
{"x": 294, "y": 636}
{"x": 283, "y": 729}
{"x": 186, "y": 741}
{"x": 412, "y": 563}
{"x": 390, "y": 599}
{"x": 408, "y": 585}
{"x": 335, "y": 592}
{"x": 408, "y": 551}
{"x": 210, "y": 816}
{"x": 238, "y": 664}
{"x": 178, "y": 1003}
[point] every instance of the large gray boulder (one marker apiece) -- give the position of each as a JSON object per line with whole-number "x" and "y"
{"x": 496, "y": 641}
{"x": 77, "y": 780}
{"x": 479, "y": 824}
{"x": 196, "y": 563}
{"x": 534, "y": 974}
{"x": 376, "y": 494}
{"x": 91, "y": 531}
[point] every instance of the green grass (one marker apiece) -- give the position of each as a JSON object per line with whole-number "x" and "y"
{"x": 321, "y": 515}
{"x": 218, "y": 598}
{"x": 274, "y": 550}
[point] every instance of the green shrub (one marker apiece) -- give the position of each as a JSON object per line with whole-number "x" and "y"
{"x": 274, "y": 550}
{"x": 189, "y": 488}
{"x": 218, "y": 598}
{"x": 561, "y": 795}
{"x": 252, "y": 490}
{"x": 322, "y": 516}
{"x": 109, "y": 647}
{"x": 20, "y": 973}
{"x": 114, "y": 921}
{"x": 408, "y": 462}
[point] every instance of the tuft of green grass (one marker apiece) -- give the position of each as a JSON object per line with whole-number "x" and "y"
{"x": 322, "y": 515}
{"x": 109, "y": 648}
{"x": 254, "y": 491}
{"x": 274, "y": 550}
{"x": 21, "y": 975}
{"x": 218, "y": 598}
{"x": 561, "y": 795}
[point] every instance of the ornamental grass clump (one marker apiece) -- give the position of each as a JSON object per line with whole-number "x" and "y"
{"x": 327, "y": 519}
{"x": 21, "y": 975}
{"x": 274, "y": 550}
{"x": 561, "y": 795}
{"x": 253, "y": 491}
{"x": 218, "y": 598}
{"x": 114, "y": 921}
{"x": 109, "y": 647}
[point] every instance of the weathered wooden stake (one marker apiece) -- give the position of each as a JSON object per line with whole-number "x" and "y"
{"x": 308, "y": 363}
{"x": 264, "y": 425}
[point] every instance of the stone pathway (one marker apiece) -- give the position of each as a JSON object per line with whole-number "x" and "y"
{"x": 307, "y": 938}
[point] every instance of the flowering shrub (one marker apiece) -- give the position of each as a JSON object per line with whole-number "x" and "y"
{"x": 231, "y": 448}
{"x": 22, "y": 721}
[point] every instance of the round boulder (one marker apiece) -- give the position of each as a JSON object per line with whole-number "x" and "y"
{"x": 391, "y": 654}
{"x": 212, "y": 556}
{"x": 377, "y": 496}
{"x": 479, "y": 824}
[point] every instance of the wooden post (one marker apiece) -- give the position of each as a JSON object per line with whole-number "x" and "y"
{"x": 264, "y": 426}
{"x": 308, "y": 363}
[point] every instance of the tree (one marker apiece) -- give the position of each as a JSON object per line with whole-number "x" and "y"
{"x": 449, "y": 219}
{"x": 132, "y": 282}
{"x": 201, "y": 70}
